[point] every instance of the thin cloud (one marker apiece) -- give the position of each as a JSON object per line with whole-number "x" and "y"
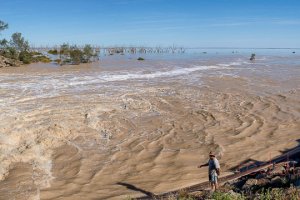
{"x": 287, "y": 22}
{"x": 126, "y": 2}
{"x": 231, "y": 24}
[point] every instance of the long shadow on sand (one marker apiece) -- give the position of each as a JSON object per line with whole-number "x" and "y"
{"x": 248, "y": 166}
{"x": 134, "y": 188}
{"x": 286, "y": 155}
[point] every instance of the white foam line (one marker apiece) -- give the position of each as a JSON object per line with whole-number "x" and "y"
{"x": 35, "y": 87}
{"x": 131, "y": 76}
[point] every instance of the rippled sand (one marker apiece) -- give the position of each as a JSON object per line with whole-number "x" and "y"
{"x": 76, "y": 133}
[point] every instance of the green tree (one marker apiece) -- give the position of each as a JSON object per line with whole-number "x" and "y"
{"x": 18, "y": 42}
{"x": 5, "y": 50}
{"x": 19, "y": 48}
{"x": 3, "y": 25}
{"x": 87, "y": 53}
{"x": 10, "y": 52}
{"x": 76, "y": 55}
{"x": 3, "y": 43}
{"x": 26, "y": 57}
{"x": 64, "y": 53}
{"x": 64, "y": 49}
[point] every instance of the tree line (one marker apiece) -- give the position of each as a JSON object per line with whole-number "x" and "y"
{"x": 18, "y": 48}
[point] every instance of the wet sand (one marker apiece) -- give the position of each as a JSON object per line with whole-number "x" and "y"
{"x": 86, "y": 139}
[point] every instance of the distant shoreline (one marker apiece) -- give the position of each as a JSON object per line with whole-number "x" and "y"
{"x": 179, "y": 46}
{"x": 241, "y": 48}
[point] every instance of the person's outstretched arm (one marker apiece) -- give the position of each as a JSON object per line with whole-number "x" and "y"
{"x": 204, "y": 165}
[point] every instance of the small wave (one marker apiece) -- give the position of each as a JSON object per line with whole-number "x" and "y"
{"x": 140, "y": 75}
{"x": 230, "y": 64}
{"x": 175, "y": 72}
{"x": 54, "y": 85}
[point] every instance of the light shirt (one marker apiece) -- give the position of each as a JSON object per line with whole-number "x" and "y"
{"x": 213, "y": 164}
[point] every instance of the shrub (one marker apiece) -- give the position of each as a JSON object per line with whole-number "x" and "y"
{"x": 10, "y": 52}
{"x": 42, "y": 58}
{"x": 87, "y": 53}
{"x": 140, "y": 58}
{"x": 76, "y": 56}
{"x": 227, "y": 196}
{"x": 35, "y": 53}
{"x": 25, "y": 57}
{"x": 221, "y": 196}
{"x": 53, "y": 51}
{"x": 30, "y": 57}
{"x": 184, "y": 195}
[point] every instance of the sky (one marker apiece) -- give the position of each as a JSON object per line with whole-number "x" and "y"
{"x": 188, "y": 23}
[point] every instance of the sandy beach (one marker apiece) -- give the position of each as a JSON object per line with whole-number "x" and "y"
{"x": 83, "y": 132}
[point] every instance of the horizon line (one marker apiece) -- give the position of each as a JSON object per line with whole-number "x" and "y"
{"x": 162, "y": 46}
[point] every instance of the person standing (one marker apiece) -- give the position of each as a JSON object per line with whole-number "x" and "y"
{"x": 213, "y": 170}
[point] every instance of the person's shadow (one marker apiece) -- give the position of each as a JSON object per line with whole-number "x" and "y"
{"x": 134, "y": 188}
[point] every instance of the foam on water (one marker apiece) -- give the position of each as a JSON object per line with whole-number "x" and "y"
{"x": 158, "y": 74}
{"x": 17, "y": 88}
{"x": 30, "y": 87}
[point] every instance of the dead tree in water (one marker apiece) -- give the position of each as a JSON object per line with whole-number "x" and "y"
{"x": 132, "y": 50}
{"x": 142, "y": 50}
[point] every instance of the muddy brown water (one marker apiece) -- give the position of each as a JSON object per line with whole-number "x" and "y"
{"x": 75, "y": 132}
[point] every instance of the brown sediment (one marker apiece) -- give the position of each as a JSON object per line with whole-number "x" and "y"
{"x": 19, "y": 184}
{"x": 153, "y": 136}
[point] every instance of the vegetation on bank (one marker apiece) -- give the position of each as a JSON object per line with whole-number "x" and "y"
{"x": 263, "y": 194}
{"x": 17, "y": 48}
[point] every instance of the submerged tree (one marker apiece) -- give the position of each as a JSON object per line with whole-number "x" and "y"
{"x": 74, "y": 55}
{"x": 252, "y": 58}
{"x": 64, "y": 53}
{"x": 88, "y": 53}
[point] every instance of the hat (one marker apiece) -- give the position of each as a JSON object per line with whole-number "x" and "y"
{"x": 212, "y": 154}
